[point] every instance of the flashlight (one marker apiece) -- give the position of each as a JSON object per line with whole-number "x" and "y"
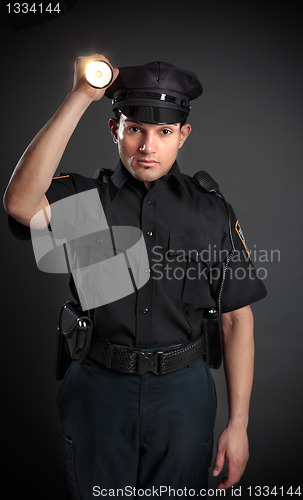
{"x": 98, "y": 74}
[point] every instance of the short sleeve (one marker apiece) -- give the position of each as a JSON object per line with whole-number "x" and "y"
{"x": 242, "y": 285}
{"x": 61, "y": 186}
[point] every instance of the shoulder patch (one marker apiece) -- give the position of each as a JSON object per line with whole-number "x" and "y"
{"x": 60, "y": 177}
{"x": 241, "y": 236}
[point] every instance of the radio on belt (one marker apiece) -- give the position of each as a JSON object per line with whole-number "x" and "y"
{"x": 98, "y": 74}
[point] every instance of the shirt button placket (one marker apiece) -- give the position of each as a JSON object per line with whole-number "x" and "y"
{"x": 144, "y": 304}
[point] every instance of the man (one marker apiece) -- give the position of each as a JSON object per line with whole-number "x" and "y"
{"x": 144, "y": 427}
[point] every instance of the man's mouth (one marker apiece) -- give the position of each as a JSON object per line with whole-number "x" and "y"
{"x": 147, "y": 163}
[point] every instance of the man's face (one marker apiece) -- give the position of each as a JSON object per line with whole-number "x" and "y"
{"x": 148, "y": 151}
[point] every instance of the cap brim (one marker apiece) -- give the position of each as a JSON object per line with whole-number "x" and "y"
{"x": 153, "y": 114}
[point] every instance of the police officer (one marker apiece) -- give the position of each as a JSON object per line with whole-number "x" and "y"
{"x": 148, "y": 423}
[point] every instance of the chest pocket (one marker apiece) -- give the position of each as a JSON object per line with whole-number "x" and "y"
{"x": 189, "y": 268}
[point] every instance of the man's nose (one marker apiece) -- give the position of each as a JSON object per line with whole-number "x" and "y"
{"x": 148, "y": 144}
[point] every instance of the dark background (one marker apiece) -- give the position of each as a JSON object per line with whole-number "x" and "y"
{"x": 247, "y": 132}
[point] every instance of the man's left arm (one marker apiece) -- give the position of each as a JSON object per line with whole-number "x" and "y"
{"x": 238, "y": 355}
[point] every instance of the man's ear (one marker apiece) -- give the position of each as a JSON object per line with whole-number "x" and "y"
{"x": 184, "y": 133}
{"x": 113, "y": 127}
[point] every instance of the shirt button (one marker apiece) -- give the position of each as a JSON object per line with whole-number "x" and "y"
{"x": 149, "y": 233}
{"x": 148, "y": 202}
{"x": 145, "y": 310}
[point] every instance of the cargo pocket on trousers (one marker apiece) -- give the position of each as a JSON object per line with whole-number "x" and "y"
{"x": 70, "y": 476}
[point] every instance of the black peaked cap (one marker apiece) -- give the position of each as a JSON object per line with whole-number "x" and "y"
{"x": 145, "y": 92}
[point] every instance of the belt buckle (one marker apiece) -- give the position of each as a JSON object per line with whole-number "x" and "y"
{"x": 148, "y": 362}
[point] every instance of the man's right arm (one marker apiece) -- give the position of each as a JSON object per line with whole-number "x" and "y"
{"x": 25, "y": 193}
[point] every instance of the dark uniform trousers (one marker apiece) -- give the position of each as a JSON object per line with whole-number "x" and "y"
{"x": 124, "y": 433}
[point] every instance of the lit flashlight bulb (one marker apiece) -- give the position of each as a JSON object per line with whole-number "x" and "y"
{"x": 98, "y": 74}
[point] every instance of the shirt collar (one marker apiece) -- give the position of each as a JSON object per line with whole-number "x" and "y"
{"x": 121, "y": 176}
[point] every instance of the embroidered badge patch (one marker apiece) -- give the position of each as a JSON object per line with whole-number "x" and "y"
{"x": 241, "y": 236}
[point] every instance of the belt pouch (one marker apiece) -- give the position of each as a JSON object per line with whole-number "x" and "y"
{"x": 76, "y": 328}
{"x": 212, "y": 339}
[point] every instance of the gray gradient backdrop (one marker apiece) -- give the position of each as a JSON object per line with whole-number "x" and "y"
{"x": 247, "y": 130}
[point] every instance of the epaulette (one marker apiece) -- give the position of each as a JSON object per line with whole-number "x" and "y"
{"x": 102, "y": 174}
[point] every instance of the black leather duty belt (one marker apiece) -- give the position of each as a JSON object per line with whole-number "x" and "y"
{"x": 135, "y": 361}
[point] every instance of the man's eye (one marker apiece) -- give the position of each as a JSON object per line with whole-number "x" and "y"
{"x": 166, "y": 131}
{"x": 134, "y": 129}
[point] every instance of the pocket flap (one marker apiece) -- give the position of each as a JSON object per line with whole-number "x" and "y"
{"x": 192, "y": 246}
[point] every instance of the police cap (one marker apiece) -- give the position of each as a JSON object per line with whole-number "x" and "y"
{"x": 157, "y": 92}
